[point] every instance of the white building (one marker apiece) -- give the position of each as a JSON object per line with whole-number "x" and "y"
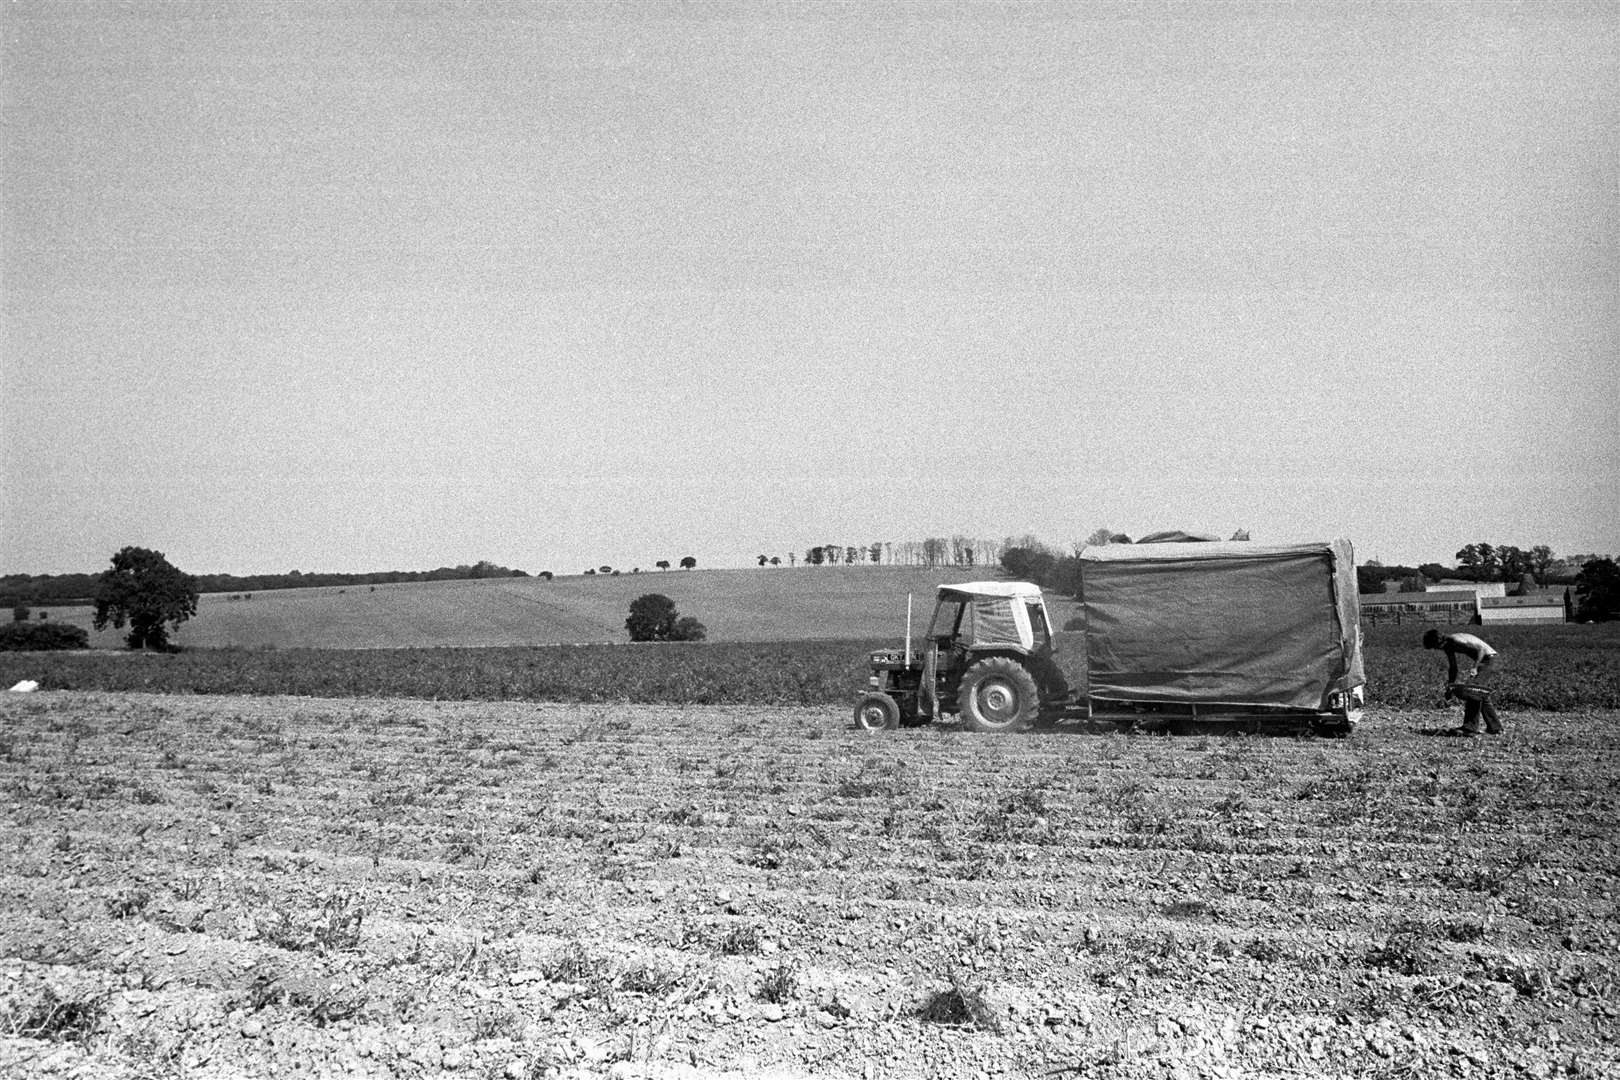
{"x": 1479, "y": 588}
{"x": 1546, "y": 606}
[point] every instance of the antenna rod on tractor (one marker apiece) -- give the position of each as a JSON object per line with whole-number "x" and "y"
{"x": 908, "y": 631}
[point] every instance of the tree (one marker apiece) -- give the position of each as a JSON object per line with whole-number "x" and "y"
{"x": 662, "y": 564}
{"x": 1468, "y": 562}
{"x": 1541, "y": 560}
{"x": 1597, "y": 591}
{"x": 688, "y": 562}
{"x": 143, "y": 589}
{"x": 763, "y": 559}
{"x": 813, "y": 556}
{"x": 1511, "y": 563}
{"x": 1479, "y": 562}
{"x": 776, "y": 560}
{"x": 19, "y": 613}
{"x": 1100, "y": 537}
{"x": 1034, "y": 563}
{"x": 1241, "y": 534}
{"x": 652, "y": 618}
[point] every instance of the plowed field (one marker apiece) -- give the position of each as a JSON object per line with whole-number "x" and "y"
{"x": 233, "y": 886}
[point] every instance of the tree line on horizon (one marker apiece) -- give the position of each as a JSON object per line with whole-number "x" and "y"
{"x": 933, "y": 551}
{"x": 60, "y": 589}
{"x": 1025, "y": 557}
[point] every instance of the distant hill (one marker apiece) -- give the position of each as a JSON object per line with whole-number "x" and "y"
{"x": 776, "y": 604}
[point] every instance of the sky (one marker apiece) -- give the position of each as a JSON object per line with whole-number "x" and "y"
{"x": 356, "y": 287}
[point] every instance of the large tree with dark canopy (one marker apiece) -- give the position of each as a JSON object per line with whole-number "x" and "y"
{"x": 143, "y": 589}
{"x": 1597, "y": 591}
{"x": 653, "y": 618}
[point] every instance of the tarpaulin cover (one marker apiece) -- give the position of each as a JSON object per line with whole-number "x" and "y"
{"x": 1175, "y": 536}
{"x": 1224, "y": 623}
{"x": 987, "y": 619}
{"x": 990, "y": 621}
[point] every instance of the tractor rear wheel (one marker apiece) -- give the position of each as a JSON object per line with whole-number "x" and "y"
{"x": 877, "y": 711}
{"x": 998, "y": 694}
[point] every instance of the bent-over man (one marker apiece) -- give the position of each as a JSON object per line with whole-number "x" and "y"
{"x": 1481, "y": 676}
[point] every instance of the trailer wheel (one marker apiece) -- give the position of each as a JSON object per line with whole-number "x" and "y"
{"x": 998, "y": 694}
{"x": 877, "y": 711}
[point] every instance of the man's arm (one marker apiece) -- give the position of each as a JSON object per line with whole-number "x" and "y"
{"x": 1451, "y": 662}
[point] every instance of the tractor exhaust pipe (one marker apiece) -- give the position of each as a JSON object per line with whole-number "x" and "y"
{"x": 908, "y": 631}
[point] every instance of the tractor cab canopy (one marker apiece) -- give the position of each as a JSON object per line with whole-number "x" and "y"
{"x": 992, "y": 615}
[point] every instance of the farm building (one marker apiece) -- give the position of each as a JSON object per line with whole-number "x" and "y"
{"x": 1478, "y": 588}
{"x": 1456, "y": 606}
{"x": 1541, "y": 606}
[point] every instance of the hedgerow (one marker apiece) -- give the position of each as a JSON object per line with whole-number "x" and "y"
{"x": 41, "y": 637}
{"x": 792, "y": 673}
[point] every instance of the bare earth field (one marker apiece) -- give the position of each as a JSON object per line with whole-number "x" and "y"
{"x": 233, "y": 886}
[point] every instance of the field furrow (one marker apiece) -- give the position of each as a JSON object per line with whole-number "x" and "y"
{"x": 234, "y": 886}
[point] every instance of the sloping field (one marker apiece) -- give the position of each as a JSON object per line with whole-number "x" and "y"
{"x": 776, "y": 604}
{"x": 268, "y": 887}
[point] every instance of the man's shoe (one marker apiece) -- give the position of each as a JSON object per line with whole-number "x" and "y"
{"x": 1466, "y": 731}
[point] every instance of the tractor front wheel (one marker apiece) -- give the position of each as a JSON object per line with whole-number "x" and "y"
{"x": 877, "y": 711}
{"x": 998, "y": 694}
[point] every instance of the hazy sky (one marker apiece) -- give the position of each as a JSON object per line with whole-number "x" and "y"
{"x": 356, "y": 287}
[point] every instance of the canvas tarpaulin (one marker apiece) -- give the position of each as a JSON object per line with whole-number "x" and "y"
{"x": 994, "y": 613}
{"x": 990, "y": 621}
{"x": 1225, "y": 623}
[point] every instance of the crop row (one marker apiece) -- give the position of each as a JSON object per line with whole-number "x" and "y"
{"x": 380, "y": 880}
{"x": 1556, "y": 668}
{"x": 781, "y": 673}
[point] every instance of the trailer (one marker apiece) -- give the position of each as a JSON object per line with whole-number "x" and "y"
{"x": 1225, "y": 630}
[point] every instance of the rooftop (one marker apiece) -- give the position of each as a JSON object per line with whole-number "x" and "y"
{"x": 1460, "y": 596}
{"x": 1538, "y": 599}
{"x": 992, "y": 588}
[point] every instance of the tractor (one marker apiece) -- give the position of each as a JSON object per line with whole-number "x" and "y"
{"x": 988, "y": 655}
